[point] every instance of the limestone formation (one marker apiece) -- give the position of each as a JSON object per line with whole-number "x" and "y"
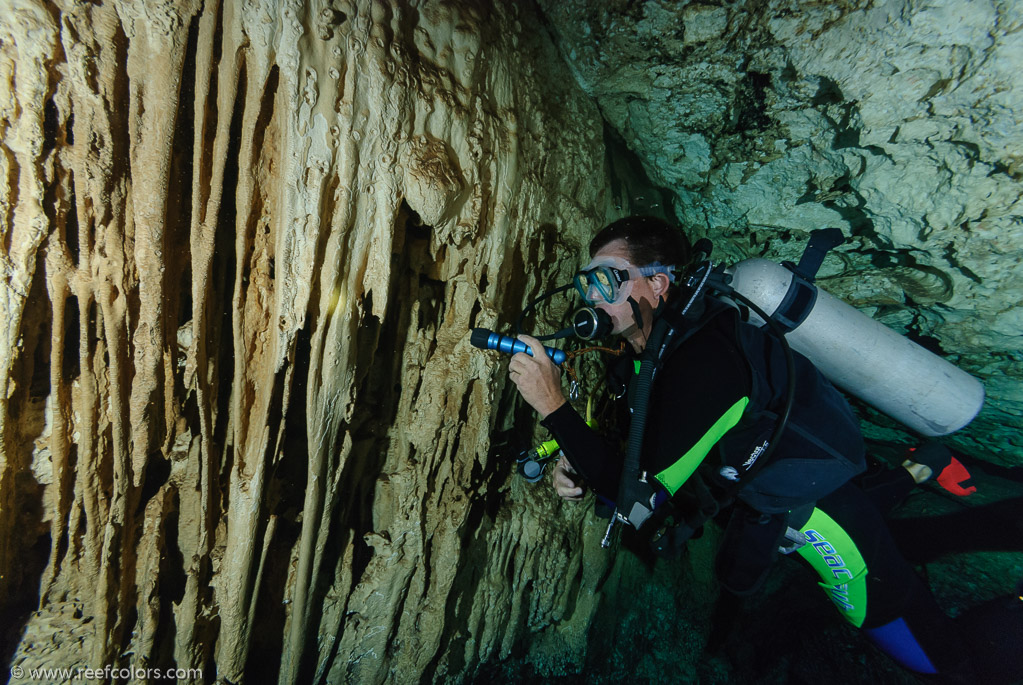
{"x": 244, "y": 242}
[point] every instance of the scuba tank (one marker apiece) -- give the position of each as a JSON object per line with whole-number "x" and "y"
{"x": 858, "y": 354}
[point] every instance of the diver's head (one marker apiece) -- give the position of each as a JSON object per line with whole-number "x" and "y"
{"x": 632, "y": 271}
{"x": 649, "y": 239}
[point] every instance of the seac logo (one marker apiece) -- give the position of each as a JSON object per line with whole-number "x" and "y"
{"x": 840, "y": 592}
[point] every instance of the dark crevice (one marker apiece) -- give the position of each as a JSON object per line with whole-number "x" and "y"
{"x": 810, "y": 195}
{"x": 860, "y": 223}
{"x": 275, "y": 415}
{"x": 177, "y": 237}
{"x": 158, "y": 470}
{"x": 846, "y": 135}
{"x": 183, "y": 147}
{"x": 750, "y": 109}
{"x": 211, "y": 114}
{"x": 118, "y": 180}
{"x": 251, "y": 239}
{"x": 70, "y": 223}
{"x": 828, "y": 93}
{"x": 936, "y": 88}
{"x": 513, "y": 295}
{"x": 93, "y": 332}
{"x": 170, "y": 590}
{"x": 952, "y": 259}
{"x": 221, "y": 301}
{"x": 14, "y": 190}
{"x": 484, "y": 281}
{"x": 266, "y": 110}
{"x": 970, "y": 150}
{"x": 51, "y": 126}
{"x": 474, "y": 313}
{"x": 36, "y": 324}
{"x": 71, "y": 366}
{"x": 928, "y": 342}
{"x": 463, "y": 409}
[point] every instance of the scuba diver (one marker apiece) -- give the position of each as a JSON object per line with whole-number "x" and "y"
{"x": 724, "y": 421}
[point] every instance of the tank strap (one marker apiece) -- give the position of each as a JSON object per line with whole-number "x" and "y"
{"x": 797, "y": 303}
{"x": 802, "y": 293}
{"x": 821, "y": 242}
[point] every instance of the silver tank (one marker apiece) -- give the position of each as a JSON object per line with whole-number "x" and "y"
{"x": 866, "y": 358}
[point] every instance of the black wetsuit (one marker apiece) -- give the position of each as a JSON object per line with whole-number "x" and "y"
{"x": 731, "y": 375}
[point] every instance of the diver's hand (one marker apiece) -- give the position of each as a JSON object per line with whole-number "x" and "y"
{"x": 537, "y": 378}
{"x": 565, "y": 484}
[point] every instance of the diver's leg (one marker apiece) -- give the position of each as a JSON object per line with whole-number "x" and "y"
{"x": 934, "y": 460}
{"x": 886, "y": 486}
{"x": 883, "y": 594}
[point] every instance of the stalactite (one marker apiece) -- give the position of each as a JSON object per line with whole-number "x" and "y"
{"x": 260, "y": 233}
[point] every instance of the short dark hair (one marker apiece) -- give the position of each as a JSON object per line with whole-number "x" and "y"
{"x": 649, "y": 240}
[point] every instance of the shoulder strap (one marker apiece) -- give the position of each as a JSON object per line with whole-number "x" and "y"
{"x": 671, "y": 328}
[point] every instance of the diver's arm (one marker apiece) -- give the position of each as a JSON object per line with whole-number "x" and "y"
{"x": 586, "y": 451}
{"x": 565, "y": 481}
{"x": 539, "y": 382}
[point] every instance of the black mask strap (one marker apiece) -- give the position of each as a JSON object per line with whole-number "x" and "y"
{"x": 637, "y": 314}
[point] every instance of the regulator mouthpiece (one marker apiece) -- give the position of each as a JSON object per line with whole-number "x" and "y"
{"x": 591, "y": 323}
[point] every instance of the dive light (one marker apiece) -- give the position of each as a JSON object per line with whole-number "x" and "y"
{"x": 486, "y": 339}
{"x": 533, "y": 462}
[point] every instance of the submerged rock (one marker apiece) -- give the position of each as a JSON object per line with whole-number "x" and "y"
{"x": 898, "y": 122}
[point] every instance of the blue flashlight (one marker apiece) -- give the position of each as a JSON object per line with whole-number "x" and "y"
{"x": 486, "y": 339}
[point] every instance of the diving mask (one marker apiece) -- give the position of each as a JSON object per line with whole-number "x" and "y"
{"x": 610, "y": 279}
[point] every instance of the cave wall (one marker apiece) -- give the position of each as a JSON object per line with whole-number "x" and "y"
{"x": 897, "y": 121}
{"x": 242, "y": 427}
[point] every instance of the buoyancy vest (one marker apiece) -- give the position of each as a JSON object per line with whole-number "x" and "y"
{"x": 700, "y": 440}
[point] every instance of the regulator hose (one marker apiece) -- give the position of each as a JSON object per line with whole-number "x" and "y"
{"x": 563, "y": 333}
{"x": 634, "y": 494}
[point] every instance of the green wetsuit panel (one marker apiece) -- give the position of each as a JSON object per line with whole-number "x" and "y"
{"x": 678, "y": 473}
{"x": 835, "y": 557}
